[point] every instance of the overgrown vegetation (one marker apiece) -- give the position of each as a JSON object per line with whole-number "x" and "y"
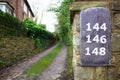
{"x": 15, "y": 49}
{"x": 41, "y": 65}
{"x": 69, "y": 73}
{"x": 42, "y": 37}
{"x": 64, "y": 28}
{"x": 11, "y": 26}
{"x": 20, "y": 40}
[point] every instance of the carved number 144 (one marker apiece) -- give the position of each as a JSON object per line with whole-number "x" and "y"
{"x": 97, "y": 27}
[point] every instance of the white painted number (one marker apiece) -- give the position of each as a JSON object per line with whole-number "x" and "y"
{"x": 97, "y": 39}
{"x": 88, "y": 51}
{"x": 88, "y": 29}
{"x": 102, "y": 39}
{"x": 103, "y": 26}
{"x": 96, "y": 27}
{"x": 88, "y": 39}
{"x": 102, "y": 51}
{"x": 96, "y": 51}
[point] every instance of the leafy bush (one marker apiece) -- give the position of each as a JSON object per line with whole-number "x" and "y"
{"x": 64, "y": 28}
{"x": 11, "y": 26}
{"x": 15, "y": 39}
{"x": 38, "y": 43}
{"x": 42, "y": 37}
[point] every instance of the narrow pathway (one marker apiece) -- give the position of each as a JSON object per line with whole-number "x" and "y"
{"x": 15, "y": 71}
{"x": 58, "y": 66}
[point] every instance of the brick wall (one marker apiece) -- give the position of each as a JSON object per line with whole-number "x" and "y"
{"x": 18, "y": 6}
{"x": 20, "y": 9}
{"x": 13, "y": 4}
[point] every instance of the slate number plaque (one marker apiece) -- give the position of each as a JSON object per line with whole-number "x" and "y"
{"x": 95, "y": 37}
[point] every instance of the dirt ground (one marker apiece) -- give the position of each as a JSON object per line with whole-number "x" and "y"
{"x": 53, "y": 72}
{"x": 57, "y": 68}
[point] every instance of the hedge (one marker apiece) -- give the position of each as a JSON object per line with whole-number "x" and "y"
{"x": 11, "y": 26}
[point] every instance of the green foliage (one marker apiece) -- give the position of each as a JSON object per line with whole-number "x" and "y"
{"x": 64, "y": 28}
{"x": 70, "y": 68}
{"x": 15, "y": 39}
{"x": 42, "y": 37}
{"x": 1, "y": 63}
{"x": 38, "y": 43}
{"x": 29, "y": 24}
{"x": 11, "y": 26}
{"x": 42, "y": 26}
{"x": 41, "y": 65}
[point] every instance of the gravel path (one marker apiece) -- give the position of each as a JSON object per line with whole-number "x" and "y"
{"x": 16, "y": 72}
{"x": 55, "y": 70}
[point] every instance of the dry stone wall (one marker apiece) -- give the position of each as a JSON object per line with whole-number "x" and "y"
{"x": 96, "y": 73}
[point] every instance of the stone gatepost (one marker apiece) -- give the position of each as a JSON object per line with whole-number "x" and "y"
{"x": 111, "y": 72}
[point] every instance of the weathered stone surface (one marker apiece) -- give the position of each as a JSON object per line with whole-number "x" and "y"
{"x": 78, "y": 60}
{"x": 83, "y": 73}
{"x": 100, "y": 73}
{"x": 76, "y": 48}
{"x": 115, "y": 42}
{"x": 95, "y": 73}
{"x": 76, "y": 39}
{"x": 113, "y": 60}
{"x": 77, "y": 6}
{"x": 111, "y": 73}
{"x": 116, "y": 5}
{"x": 77, "y": 52}
{"x": 117, "y": 21}
{"x": 76, "y": 23}
{"x": 119, "y": 57}
{"x": 74, "y": 60}
{"x": 119, "y": 68}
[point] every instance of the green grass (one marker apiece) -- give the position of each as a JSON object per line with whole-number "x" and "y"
{"x": 42, "y": 64}
{"x": 70, "y": 56}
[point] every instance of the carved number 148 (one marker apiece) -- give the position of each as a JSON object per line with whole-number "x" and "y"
{"x": 96, "y": 51}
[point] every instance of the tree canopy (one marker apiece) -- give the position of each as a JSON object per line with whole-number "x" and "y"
{"x": 64, "y": 28}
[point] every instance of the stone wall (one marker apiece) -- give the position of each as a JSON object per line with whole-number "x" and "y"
{"x": 15, "y": 49}
{"x": 96, "y": 73}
